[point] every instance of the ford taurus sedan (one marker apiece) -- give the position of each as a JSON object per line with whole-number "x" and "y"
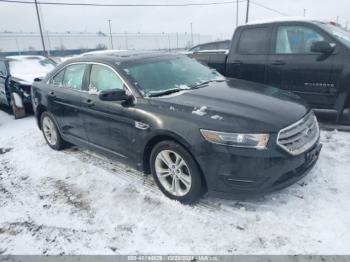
{"x": 168, "y": 115}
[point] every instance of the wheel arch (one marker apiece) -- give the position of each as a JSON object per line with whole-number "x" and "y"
{"x": 163, "y": 137}
{"x": 39, "y": 111}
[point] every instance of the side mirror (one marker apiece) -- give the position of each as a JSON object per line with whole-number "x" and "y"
{"x": 322, "y": 47}
{"x": 114, "y": 95}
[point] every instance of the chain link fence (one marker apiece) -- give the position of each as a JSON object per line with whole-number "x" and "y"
{"x": 22, "y": 42}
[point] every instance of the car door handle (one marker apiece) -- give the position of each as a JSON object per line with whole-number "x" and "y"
{"x": 278, "y": 62}
{"x": 52, "y": 94}
{"x": 89, "y": 103}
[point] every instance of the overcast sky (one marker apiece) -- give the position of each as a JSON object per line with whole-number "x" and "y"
{"x": 218, "y": 21}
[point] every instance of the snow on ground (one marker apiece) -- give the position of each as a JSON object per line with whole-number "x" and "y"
{"x": 75, "y": 202}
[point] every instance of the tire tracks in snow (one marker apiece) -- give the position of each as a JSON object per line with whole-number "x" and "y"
{"x": 208, "y": 206}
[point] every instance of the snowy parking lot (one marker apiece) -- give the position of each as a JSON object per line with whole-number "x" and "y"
{"x": 76, "y": 202}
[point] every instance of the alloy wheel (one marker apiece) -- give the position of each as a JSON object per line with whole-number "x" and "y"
{"x": 173, "y": 172}
{"x": 49, "y": 131}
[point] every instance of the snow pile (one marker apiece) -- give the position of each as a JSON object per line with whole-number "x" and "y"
{"x": 76, "y": 202}
{"x": 93, "y": 90}
{"x": 216, "y": 117}
{"x": 200, "y": 111}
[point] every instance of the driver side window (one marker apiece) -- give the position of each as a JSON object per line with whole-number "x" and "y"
{"x": 103, "y": 78}
{"x": 296, "y": 39}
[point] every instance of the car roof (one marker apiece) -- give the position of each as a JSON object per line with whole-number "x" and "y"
{"x": 282, "y": 19}
{"x": 23, "y": 57}
{"x": 121, "y": 57}
{"x": 214, "y": 42}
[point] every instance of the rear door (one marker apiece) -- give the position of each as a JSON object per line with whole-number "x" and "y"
{"x": 293, "y": 67}
{"x": 3, "y": 79}
{"x": 249, "y": 53}
{"x": 64, "y": 97}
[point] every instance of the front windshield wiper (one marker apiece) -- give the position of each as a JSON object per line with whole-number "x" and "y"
{"x": 166, "y": 92}
{"x": 201, "y": 84}
{"x": 175, "y": 90}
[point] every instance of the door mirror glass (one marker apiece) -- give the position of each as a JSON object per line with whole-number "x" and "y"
{"x": 322, "y": 47}
{"x": 114, "y": 95}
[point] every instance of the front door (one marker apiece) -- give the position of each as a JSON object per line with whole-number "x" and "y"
{"x": 106, "y": 123}
{"x": 64, "y": 97}
{"x": 293, "y": 67}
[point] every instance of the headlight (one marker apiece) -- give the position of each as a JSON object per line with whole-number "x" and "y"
{"x": 258, "y": 141}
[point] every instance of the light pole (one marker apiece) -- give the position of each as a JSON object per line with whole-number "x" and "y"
{"x": 304, "y": 12}
{"x": 237, "y": 10}
{"x": 40, "y": 28}
{"x": 110, "y": 33}
{"x": 247, "y": 14}
{"x": 126, "y": 40}
{"x": 177, "y": 40}
{"x": 191, "y": 35}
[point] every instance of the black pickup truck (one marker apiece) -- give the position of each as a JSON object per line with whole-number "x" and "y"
{"x": 309, "y": 58}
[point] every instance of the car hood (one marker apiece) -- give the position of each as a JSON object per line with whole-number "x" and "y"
{"x": 236, "y": 106}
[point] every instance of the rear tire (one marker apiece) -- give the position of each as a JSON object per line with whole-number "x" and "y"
{"x": 176, "y": 173}
{"x": 50, "y": 131}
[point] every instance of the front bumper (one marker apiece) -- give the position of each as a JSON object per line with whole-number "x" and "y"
{"x": 247, "y": 173}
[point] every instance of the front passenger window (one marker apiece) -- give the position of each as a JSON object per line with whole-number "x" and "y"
{"x": 103, "y": 78}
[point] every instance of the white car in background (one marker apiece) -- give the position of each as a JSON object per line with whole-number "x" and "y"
{"x": 17, "y": 73}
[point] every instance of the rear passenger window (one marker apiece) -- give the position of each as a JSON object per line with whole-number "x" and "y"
{"x": 71, "y": 77}
{"x": 253, "y": 41}
{"x": 208, "y": 47}
{"x": 57, "y": 80}
{"x": 223, "y": 45}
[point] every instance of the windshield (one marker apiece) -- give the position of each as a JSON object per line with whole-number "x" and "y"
{"x": 342, "y": 35}
{"x": 175, "y": 73}
{"x": 28, "y": 68}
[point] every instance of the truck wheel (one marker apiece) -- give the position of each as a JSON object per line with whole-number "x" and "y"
{"x": 17, "y": 106}
{"x": 50, "y": 132}
{"x": 176, "y": 172}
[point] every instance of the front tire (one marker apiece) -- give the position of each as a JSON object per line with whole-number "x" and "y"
{"x": 176, "y": 173}
{"x": 50, "y": 132}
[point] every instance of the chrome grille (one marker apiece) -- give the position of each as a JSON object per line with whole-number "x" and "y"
{"x": 300, "y": 136}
